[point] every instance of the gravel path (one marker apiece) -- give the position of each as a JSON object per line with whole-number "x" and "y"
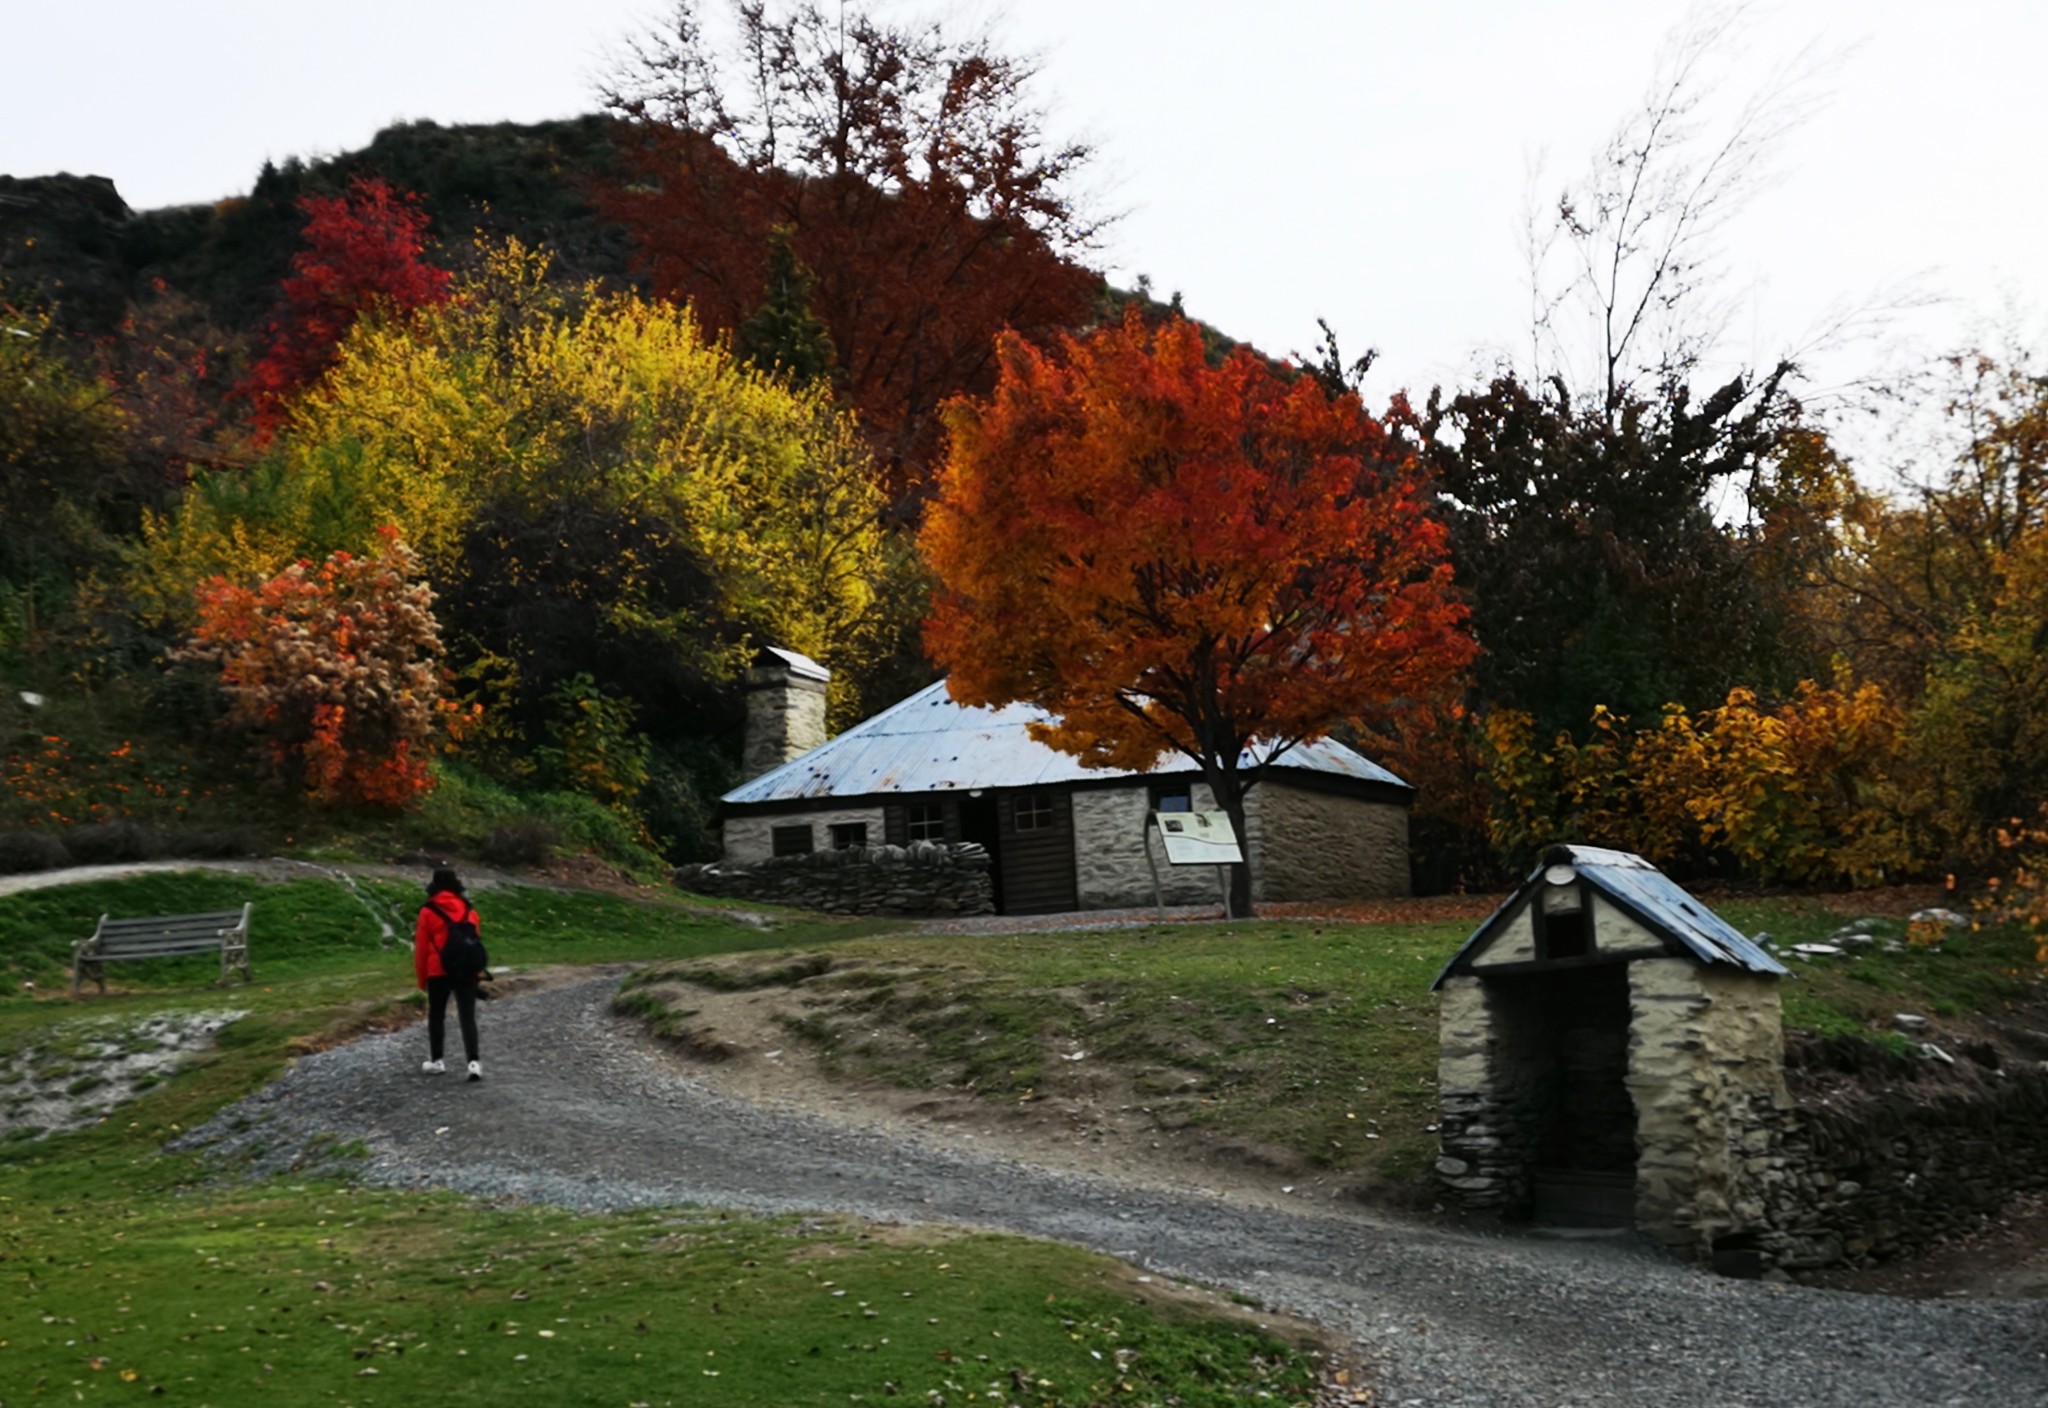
{"x": 579, "y": 1108}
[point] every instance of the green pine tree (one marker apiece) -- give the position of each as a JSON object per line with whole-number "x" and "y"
{"x": 783, "y": 335}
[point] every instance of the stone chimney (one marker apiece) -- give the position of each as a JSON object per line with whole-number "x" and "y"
{"x": 785, "y": 709}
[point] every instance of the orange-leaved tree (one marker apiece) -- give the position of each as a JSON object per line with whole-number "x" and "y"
{"x": 336, "y": 672}
{"x": 1169, "y": 556}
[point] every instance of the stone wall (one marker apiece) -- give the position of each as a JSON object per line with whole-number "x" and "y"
{"x": 1110, "y": 836}
{"x": 921, "y": 878}
{"x": 1487, "y": 1070}
{"x": 1881, "y": 1175}
{"x": 1311, "y": 845}
{"x": 1706, "y": 1051}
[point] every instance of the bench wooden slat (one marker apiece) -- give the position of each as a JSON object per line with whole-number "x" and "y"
{"x": 184, "y": 936}
{"x": 120, "y": 951}
{"x": 226, "y": 919}
{"x": 131, "y": 930}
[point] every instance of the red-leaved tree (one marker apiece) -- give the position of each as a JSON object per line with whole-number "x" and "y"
{"x": 911, "y": 174}
{"x": 336, "y": 672}
{"x": 1175, "y": 557}
{"x": 364, "y": 250}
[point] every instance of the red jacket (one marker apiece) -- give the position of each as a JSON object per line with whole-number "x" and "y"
{"x": 432, "y": 931}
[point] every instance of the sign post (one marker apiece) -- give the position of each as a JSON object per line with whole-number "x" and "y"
{"x": 1193, "y": 838}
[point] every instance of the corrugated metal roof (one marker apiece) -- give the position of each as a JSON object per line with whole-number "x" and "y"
{"x": 929, "y": 743}
{"x": 1647, "y": 893}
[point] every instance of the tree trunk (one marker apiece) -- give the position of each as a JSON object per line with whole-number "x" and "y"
{"x": 1229, "y": 788}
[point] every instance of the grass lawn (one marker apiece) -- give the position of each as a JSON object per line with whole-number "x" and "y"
{"x": 1969, "y": 973}
{"x": 1312, "y": 1041}
{"x": 125, "y": 1271}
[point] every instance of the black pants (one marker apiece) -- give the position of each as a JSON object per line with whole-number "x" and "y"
{"x": 437, "y": 1015}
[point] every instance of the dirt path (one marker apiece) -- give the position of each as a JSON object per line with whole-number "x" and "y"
{"x": 580, "y": 1108}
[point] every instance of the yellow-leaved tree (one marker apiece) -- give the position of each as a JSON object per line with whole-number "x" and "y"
{"x": 548, "y": 448}
{"x": 1808, "y": 790}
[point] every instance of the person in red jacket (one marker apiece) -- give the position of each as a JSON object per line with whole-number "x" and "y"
{"x": 445, "y": 904}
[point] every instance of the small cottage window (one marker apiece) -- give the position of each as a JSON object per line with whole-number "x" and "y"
{"x": 1173, "y": 796}
{"x": 1034, "y": 812}
{"x": 849, "y": 835}
{"x": 927, "y": 821}
{"x": 792, "y": 840}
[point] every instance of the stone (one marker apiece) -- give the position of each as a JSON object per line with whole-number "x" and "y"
{"x": 1452, "y": 1168}
{"x": 1909, "y": 1022}
{"x": 1947, "y": 918}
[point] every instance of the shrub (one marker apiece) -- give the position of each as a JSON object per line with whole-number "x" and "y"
{"x": 335, "y": 673}
{"x": 205, "y": 843}
{"x": 111, "y": 842}
{"x": 520, "y": 843}
{"x": 25, "y": 851}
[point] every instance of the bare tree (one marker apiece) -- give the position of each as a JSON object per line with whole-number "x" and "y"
{"x": 1626, "y": 269}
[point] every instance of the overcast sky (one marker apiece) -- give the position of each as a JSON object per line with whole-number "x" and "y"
{"x": 1366, "y": 162}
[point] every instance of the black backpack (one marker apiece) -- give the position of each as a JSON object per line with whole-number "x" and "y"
{"x": 462, "y": 950}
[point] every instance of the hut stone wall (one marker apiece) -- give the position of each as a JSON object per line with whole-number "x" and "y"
{"x": 1312, "y": 845}
{"x": 1706, "y": 1051}
{"x": 1110, "y": 837}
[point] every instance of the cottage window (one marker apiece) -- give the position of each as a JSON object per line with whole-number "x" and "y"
{"x": 792, "y": 840}
{"x": 927, "y": 821}
{"x": 849, "y": 835}
{"x": 1034, "y": 812}
{"x": 1173, "y": 796}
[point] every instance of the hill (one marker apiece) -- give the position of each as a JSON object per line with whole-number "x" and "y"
{"x": 74, "y": 241}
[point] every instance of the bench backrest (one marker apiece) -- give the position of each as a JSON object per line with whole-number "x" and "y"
{"x": 168, "y": 933}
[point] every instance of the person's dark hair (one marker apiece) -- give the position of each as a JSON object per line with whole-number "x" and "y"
{"x": 444, "y": 879}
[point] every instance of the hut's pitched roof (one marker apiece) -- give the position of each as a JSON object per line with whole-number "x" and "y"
{"x": 1646, "y": 893}
{"x": 929, "y": 743}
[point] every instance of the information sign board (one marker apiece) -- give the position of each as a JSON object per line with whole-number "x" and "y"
{"x": 1198, "y": 838}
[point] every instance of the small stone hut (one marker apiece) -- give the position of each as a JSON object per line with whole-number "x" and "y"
{"x": 1610, "y": 1051}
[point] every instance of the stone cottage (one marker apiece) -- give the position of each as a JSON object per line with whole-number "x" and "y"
{"x": 1611, "y": 1052}
{"x": 1325, "y": 824}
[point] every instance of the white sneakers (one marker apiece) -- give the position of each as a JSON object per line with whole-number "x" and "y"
{"x": 437, "y": 1066}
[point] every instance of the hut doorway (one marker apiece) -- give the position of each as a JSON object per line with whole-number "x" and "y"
{"x": 1568, "y": 1032}
{"x": 979, "y": 824}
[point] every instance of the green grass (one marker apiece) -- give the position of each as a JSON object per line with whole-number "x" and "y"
{"x": 1988, "y": 971}
{"x": 322, "y": 928}
{"x": 127, "y": 1271}
{"x": 1310, "y": 1043}
{"x": 1314, "y": 1040}
{"x": 301, "y": 1293}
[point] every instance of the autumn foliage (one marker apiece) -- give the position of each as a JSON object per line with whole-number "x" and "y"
{"x": 1807, "y": 790}
{"x": 1172, "y": 556}
{"x": 335, "y": 671}
{"x": 363, "y": 250}
{"x": 904, "y": 168}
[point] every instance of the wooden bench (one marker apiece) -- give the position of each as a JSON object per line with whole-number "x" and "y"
{"x": 163, "y": 936}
